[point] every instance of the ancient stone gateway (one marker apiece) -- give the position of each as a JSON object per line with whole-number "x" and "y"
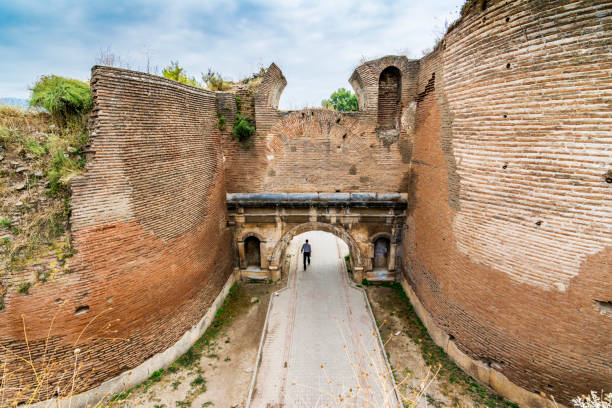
{"x": 272, "y": 220}
{"x": 497, "y": 144}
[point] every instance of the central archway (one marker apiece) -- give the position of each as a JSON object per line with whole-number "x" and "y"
{"x": 354, "y": 250}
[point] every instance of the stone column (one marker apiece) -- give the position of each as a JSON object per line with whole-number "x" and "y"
{"x": 358, "y": 274}
{"x": 275, "y": 272}
{"x": 241, "y": 255}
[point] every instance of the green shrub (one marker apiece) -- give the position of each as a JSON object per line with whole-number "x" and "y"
{"x": 221, "y": 122}
{"x": 61, "y": 170}
{"x": 176, "y": 73}
{"x": 244, "y": 128}
{"x": 64, "y": 98}
{"x": 32, "y": 146}
{"x": 244, "y": 125}
{"x": 215, "y": 82}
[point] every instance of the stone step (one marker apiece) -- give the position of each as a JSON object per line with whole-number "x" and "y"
{"x": 254, "y": 275}
{"x": 380, "y": 276}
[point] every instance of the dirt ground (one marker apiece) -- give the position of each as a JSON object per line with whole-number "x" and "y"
{"x": 426, "y": 377}
{"x": 218, "y": 370}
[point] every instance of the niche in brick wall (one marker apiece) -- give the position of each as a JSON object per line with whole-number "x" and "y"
{"x": 252, "y": 252}
{"x": 389, "y": 103}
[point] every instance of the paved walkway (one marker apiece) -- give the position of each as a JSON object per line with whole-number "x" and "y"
{"x": 321, "y": 347}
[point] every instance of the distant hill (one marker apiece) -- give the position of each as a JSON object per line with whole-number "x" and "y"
{"x": 21, "y": 103}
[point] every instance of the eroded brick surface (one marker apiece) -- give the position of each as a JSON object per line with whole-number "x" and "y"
{"x": 509, "y": 235}
{"x": 503, "y": 146}
{"x": 153, "y": 250}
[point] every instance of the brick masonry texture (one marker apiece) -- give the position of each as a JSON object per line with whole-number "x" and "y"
{"x": 149, "y": 227}
{"x": 322, "y": 150}
{"x": 502, "y": 140}
{"x": 509, "y": 239}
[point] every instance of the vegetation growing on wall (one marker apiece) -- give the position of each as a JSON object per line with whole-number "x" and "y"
{"x": 342, "y": 100}
{"x": 215, "y": 82}
{"x": 39, "y": 154}
{"x": 244, "y": 126}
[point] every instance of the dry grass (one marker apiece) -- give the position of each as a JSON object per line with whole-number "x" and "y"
{"x": 39, "y": 158}
{"x": 50, "y": 375}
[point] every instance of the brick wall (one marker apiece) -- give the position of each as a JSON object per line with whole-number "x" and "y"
{"x": 509, "y": 240}
{"x": 322, "y": 150}
{"x": 389, "y": 103}
{"x": 149, "y": 227}
{"x": 504, "y": 147}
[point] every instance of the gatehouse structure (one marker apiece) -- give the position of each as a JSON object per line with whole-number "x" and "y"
{"x": 486, "y": 164}
{"x": 264, "y": 224}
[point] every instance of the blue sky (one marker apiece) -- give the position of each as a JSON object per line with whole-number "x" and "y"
{"x": 316, "y": 44}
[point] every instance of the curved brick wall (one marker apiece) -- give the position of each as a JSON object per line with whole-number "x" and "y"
{"x": 509, "y": 242}
{"x": 148, "y": 225}
{"x": 504, "y": 147}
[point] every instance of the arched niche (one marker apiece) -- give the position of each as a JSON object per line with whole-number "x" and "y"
{"x": 382, "y": 253}
{"x": 389, "y": 98}
{"x": 252, "y": 252}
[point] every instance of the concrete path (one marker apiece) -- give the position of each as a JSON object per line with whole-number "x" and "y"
{"x": 320, "y": 345}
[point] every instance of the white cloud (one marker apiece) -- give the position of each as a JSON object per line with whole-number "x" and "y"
{"x": 316, "y": 44}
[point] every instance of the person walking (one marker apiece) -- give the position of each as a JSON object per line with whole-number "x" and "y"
{"x": 307, "y": 250}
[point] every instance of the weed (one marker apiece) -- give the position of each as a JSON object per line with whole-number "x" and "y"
{"x": 183, "y": 403}
{"x": 25, "y": 288}
{"x": 188, "y": 358}
{"x": 121, "y": 396}
{"x": 244, "y": 125}
{"x": 227, "y": 359}
{"x": 175, "y": 385}
{"x": 221, "y": 122}
{"x": 207, "y": 404}
{"x": 215, "y": 82}
{"x": 155, "y": 377}
{"x": 199, "y": 380}
{"x": 32, "y": 146}
{"x": 244, "y": 128}
{"x": 435, "y": 356}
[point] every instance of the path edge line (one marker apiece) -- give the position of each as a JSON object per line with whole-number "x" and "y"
{"x": 262, "y": 340}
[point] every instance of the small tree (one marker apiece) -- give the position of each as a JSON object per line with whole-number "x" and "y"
{"x": 176, "y": 73}
{"x": 341, "y": 100}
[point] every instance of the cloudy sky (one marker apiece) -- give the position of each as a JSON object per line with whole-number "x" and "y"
{"x": 317, "y": 44}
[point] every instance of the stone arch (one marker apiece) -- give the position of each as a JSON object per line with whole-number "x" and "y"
{"x": 254, "y": 234}
{"x": 374, "y": 237}
{"x": 389, "y": 98}
{"x": 340, "y": 232}
{"x": 252, "y": 251}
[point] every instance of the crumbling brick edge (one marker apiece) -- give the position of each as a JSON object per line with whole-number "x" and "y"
{"x": 139, "y": 374}
{"x": 479, "y": 370}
